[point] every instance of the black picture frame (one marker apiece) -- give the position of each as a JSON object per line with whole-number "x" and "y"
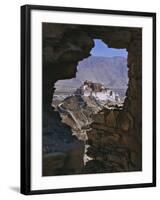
{"x": 26, "y": 98}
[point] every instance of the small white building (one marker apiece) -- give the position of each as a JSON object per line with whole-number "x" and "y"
{"x": 102, "y": 93}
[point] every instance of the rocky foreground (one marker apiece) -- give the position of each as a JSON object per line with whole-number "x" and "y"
{"x": 94, "y": 123}
{"x": 89, "y": 137}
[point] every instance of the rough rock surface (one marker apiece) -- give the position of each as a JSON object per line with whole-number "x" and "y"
{"x": 113, "y": 145}
{"x": 62, "y": 152}
{"x": 77, "y": 112}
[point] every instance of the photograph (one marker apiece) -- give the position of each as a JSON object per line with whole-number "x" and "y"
{"x": 92, "y": 99}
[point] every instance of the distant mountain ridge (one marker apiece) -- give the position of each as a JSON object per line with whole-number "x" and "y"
{"x": 110, "y": 71}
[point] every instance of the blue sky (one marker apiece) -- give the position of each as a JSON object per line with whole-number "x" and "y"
{"x": 101, "y": 49}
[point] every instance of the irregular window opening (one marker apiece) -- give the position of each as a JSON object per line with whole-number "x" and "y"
{"x": 101, "y": 82}
{"x": 103, "y": 75}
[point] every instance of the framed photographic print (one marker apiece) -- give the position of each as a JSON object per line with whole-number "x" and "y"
{"x": 88, "y": 99}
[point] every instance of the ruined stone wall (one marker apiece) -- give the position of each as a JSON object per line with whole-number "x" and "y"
{"x": 62, "y": 49}
{"x": 115, "y": 136}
